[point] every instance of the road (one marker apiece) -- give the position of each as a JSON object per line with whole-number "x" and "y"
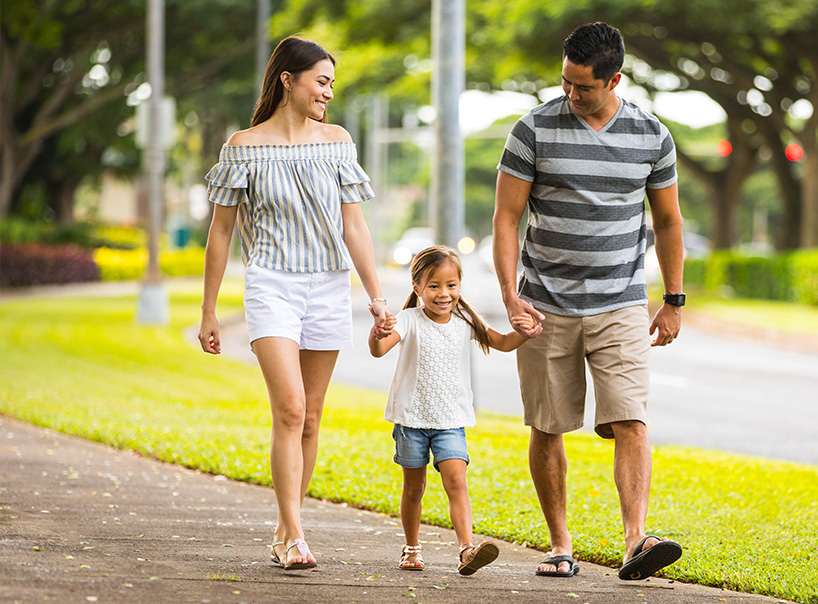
{"x": 707, "y": 390}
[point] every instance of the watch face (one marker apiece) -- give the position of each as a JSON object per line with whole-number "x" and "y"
{"x": 674, "y": 299}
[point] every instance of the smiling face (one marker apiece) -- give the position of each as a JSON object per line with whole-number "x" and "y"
{"x": 589, "y": 96}
{"x": 311, "y": 90}
{"x": 439, "y": 290}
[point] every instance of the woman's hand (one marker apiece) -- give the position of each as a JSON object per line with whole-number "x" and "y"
{"x": 209, "y": 334}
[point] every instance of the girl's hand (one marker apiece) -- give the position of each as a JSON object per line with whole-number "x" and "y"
{"x": 209, "y": 334}
{"x": 526, "y": 325}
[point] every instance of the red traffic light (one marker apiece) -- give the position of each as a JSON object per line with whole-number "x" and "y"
{"x": 724, "y": 148}
{"x": 794, "y": 152}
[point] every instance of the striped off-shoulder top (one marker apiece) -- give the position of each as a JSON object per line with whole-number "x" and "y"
{"x": 289, "y": 199}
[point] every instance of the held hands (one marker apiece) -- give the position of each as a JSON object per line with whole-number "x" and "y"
{"x": 379, "y": 332}
{"x": 384, "y": 320}
{"x": 517, "y": 308}
{"x": 526, "y": 325}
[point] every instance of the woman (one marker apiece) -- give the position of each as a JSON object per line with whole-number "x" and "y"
{"x": 294, "y": 184}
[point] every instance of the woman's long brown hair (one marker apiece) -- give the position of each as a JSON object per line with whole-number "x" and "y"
{"x": 423, "y": 265}
{"x": 295, "y": 55}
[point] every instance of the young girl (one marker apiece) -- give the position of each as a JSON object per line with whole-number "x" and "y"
{"x": 430, "y": 401}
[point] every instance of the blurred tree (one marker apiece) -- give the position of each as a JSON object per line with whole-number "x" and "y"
{"x": 757, "y": 59}
{"x": 69, "y": 66}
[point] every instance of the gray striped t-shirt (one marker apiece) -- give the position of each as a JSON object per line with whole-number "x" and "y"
{"x": 290, "y": 200}
{"x": 585, "y": 242}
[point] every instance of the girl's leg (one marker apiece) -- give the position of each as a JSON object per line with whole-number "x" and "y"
{"x": 411, "y": 502}
{"x": 472, "y": 557}
{"x": 453, "y": 473}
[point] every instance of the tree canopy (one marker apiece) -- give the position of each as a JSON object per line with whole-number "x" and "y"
{"x": 69, "y": 67}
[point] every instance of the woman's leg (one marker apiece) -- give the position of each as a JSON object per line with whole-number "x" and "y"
{"x": 453, "y": 474}
{"x": 316, "y": 372}
{"x": 280, "y": 362}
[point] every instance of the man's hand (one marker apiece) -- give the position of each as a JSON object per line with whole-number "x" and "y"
{"x": 516, "y": 307}
{"x": 666, "y": 325}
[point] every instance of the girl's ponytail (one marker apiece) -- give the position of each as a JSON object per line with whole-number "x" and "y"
{"x": 411, "y": 301}
{"x": 476, "y": 322}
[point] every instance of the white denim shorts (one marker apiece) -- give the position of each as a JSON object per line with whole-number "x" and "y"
{"x": 312, "y": 309}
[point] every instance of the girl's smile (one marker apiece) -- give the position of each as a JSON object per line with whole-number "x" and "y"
{"x": 439, "y": 292}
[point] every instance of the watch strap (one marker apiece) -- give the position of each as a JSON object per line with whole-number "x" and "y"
{"x": 674, "y": 299}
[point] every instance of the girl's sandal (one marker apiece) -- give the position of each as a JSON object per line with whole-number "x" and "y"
{"x": 274, "y": 556}
{"x": 302, "y": 548}
{"x": 410, "y": 558}
{"x": 475, "y": 557}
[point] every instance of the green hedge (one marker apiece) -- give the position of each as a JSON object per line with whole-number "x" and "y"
{"x": 789, "y": 277}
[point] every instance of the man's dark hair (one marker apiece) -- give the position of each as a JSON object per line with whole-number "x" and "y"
{"x": 597, "y": 45}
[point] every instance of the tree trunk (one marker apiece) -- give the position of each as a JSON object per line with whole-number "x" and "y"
{"x": 809, "y": 200}
{"x": 61, "y": 199}
{"x": 789, "y": 187}
{"x": 14, "y": 162}
{"x": 724, "y": 197}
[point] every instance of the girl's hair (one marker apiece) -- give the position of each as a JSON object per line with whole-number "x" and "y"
{"x": 423, "y": 265}
{"x": 294, "y": 55}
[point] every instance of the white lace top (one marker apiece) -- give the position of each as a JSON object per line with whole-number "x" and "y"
{"x": 432, "y": 383}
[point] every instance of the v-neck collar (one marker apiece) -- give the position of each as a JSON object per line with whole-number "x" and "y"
{"x": 606, "y": 126}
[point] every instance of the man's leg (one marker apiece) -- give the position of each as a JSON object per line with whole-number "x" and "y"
{"x": 549, "y": 467}
{"x": 632, "y": 470}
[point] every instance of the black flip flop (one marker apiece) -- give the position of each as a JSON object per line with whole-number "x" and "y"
{"x": 646, "y": 562}
{"x": 555, "y": 560}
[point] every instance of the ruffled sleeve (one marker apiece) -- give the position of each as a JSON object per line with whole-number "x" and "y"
{"x": 227, "y": 183}
{"x": 354, "y": 183}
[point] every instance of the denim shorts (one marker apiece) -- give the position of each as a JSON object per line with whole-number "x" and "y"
{"x": 412, "y": 446}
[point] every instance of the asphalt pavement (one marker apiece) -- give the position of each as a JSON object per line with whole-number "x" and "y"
{"x": 82, "y": 522}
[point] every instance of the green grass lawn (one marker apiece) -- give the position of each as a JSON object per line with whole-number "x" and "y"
{"x": 82, "y": 366}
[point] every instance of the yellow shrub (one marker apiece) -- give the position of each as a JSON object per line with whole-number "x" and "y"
{"x": 129, "y": 265}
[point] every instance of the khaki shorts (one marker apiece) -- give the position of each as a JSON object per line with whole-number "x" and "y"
{"x": 616, "y": 346}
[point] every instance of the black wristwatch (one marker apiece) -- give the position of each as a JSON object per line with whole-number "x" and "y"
{"x": 674, "y": 299}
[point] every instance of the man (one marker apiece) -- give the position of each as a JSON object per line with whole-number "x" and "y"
{"x": 583, "y": 164}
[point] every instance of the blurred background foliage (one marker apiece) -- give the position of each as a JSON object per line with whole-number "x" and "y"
{"x": 73, "y": 71}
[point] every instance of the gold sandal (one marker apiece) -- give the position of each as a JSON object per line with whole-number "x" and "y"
{"x": 410, "y": 558}
{"x": 273, "y": 556}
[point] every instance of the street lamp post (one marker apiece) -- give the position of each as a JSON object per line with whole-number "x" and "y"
{"x": 263, "y": 11}
{"x": 448, "y": 81}
{"x": 153, "y": 306}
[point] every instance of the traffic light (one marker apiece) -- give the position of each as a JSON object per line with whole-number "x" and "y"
{"x": 794, "y": 152}
{"x": 724, "y": 148}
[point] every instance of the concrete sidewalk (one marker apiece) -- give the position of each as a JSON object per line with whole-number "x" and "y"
{"x": 81, "y": 522}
